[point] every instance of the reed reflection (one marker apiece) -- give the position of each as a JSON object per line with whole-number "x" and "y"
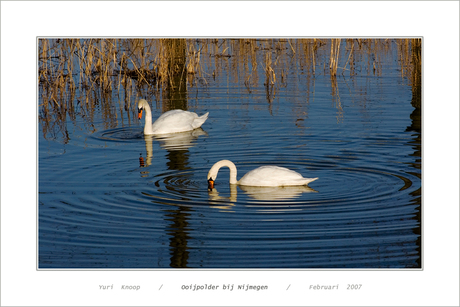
{"x": 175, "y": 97}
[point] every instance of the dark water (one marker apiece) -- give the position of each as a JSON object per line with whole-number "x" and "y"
{"x": 99, "y": 207}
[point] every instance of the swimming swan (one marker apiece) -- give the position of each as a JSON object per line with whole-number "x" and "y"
{"x": 169, "y": 122}
{"x": 264, "y": 176}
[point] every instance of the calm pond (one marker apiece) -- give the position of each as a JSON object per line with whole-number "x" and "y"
{"x": 110, "y": 197}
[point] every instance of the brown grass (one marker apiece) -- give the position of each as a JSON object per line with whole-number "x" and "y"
{"x": 75, "y": 76}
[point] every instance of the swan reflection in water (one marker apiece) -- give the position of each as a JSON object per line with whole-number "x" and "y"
{"x": 179, "y": 141}
{"x": 276, "y": 193}
{"x": 261, "y": 193}
{"x": 170, "y": 142}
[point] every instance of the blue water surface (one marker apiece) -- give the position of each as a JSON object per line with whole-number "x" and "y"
{"x": 101, "y": 206}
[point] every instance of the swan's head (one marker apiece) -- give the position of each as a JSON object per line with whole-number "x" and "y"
{"x": 210, "y": 184}
{"x": 141, "y": 107}
{"x": 212, "y": 175}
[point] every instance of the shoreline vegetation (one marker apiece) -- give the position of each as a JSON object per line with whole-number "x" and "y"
{"x": 77, "y": 75}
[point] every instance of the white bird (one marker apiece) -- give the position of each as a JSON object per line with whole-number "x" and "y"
{"x": 169, "y": 122}
{"x": 264, "y": 176}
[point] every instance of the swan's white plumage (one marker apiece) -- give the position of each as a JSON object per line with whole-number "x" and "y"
{"x": 173, "y": 121}
{"x": 267, "y": 176}
{"x": 264, "y": 176}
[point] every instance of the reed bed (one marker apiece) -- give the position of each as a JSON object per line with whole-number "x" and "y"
{"x": 77, "y": 76}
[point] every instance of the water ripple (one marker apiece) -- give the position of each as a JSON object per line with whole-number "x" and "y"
{"x": 122, "y": 199}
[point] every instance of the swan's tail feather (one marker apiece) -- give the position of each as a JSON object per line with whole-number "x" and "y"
{"x": 200, "y": 120}
{"x": 308, "y": 180}
{"x": 298, "y": 182}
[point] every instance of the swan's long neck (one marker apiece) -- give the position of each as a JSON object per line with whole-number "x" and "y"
{"x": 215, "y": 169}
{"x": 148, "y": 129}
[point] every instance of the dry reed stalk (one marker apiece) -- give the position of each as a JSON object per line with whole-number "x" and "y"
{"x": 349, "y": 56}
{"x": 193, "y": 58}
{"x": 334, "y": 56}
{"x": 253, "y": 60}
{"x": 292, "y": 48}
{"x": 244, "y": 49}
{"x": 416, "y": 75}
{"x": 163, "y": 65}
{"x": 270, "y": 77}
{"x": 410, "y": 58}
{"x": 309, "y": 54}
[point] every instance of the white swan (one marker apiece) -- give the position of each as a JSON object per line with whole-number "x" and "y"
{"x": 264, "y": 176}
{"x": 169, "y": 122}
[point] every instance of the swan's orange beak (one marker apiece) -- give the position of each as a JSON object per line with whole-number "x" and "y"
{"x": 139, "y": 114}
{"x": 210, "y": 184}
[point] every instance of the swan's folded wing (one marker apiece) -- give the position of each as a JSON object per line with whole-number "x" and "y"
{"x": 266, "y": 176}
{"x": 175, "y": 121}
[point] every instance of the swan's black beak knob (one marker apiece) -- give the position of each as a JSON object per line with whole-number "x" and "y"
{"x": 210, "y": 184}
